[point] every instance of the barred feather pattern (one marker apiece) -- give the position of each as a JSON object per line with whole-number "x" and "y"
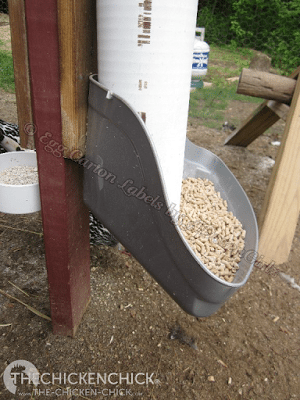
{"x": 9, "y": 130}
{"x": 99, "y": 235}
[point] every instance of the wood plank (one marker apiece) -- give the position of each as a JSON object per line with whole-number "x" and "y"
{"x": 280, "y": 211}
{"x": 65, "y": 217}
{"x": 257, "y": 123}
{"x": 280, "y": 109}
{"x": 254, "y": 126}
{"x": 21, "y": 71}
{"x": 78, "y": 51}
{"x": 266, "y": 85}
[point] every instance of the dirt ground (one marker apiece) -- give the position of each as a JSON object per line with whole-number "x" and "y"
{"x": 249, "y": 349}
{"x": 5, "y": 32}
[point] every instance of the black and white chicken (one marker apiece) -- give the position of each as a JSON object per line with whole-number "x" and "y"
{"x": 10, "y": 140}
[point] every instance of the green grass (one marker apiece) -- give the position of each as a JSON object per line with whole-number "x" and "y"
{"x": 7, "y": 80}
{"x": 226, "y": 62}
{"x": 240, "y": 57}
{"x": 208, "y": 104}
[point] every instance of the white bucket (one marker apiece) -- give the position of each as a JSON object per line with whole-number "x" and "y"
{"x": 19, "y": 199}
{"x": 145, "y": 51}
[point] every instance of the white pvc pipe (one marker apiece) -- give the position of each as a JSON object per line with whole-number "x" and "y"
{"x": 145, "y": 51}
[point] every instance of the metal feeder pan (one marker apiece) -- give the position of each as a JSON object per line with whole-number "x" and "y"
{"x": 124, "y": 188}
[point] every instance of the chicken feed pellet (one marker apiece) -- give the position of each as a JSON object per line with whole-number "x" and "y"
{"x": 214, "y": 233}
{"x": 19, "y": 175}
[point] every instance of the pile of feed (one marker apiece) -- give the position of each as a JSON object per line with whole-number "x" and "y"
{"x": 214, "y": 233}
{"x": 19, "y": 175}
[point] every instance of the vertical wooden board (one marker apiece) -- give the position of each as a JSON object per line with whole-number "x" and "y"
{"x": 65, "y": 217}
{"x": 78, "y": 59}
{"x": 280, "y": 211}
{"x": 21, "y": 71}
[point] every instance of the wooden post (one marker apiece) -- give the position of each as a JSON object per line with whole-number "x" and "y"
{"x": 280, "y": 109}
{"x": 262, "y": 119}
{"x": 254, "y": 126}
{"x": 266, "y": 85}
{"x": 280, "y": 211}
{"x": 21, "y": 71}
{"x": 78, "y": 59}
{"x": 65, "y": 218}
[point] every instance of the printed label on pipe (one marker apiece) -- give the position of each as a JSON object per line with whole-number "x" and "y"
{"x": 144, "y": 23}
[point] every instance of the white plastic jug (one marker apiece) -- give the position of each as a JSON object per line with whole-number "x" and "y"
{"x": 200, "y": 55}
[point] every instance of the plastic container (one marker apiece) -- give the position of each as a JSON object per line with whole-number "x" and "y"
{"x": 19, "y": 199}
{"x": 145, "y": 51}
{"x": 124, "y": 189}
{"x": 200, "y": 55}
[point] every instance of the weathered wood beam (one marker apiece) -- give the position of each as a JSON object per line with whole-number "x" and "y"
{"x": 280, "y": 109}
{"x": 78, "y": 59}
{"x": 280, "y": 211}
{"x": 254, "y": 126}
{"x": 21, "y": 71}
{"x": 65, "y": 217}
{"x": 266, "y": 86}
{"x": 258, "y": 122}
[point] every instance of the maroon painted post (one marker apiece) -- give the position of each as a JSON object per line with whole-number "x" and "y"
{"x": 65, "y": 217}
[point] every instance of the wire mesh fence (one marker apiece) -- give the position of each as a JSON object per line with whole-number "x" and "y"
{"x": 3, "y": 6}
{"x": 270, "y": 26}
